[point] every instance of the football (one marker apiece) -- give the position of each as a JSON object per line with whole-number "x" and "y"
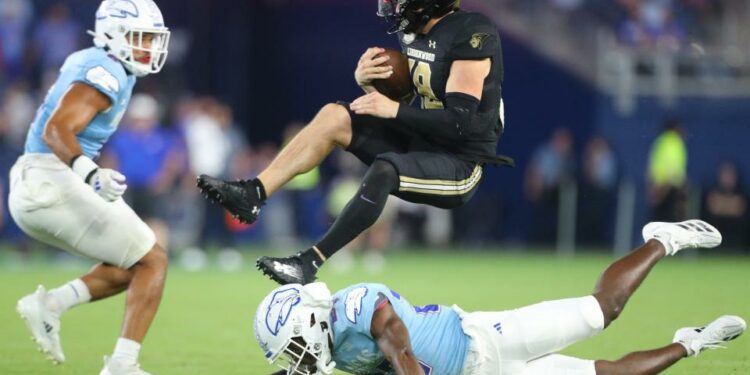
{"x": 399, "y": 85}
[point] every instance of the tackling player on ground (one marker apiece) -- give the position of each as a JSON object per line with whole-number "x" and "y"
{"x": 369, "y": 329}
{"x": 61, "y": 197}
{"x": 434, "y": 155}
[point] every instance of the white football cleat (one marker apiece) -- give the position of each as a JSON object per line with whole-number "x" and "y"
{"x": 721, "y": 330}
{"x": 683, "y": 235}
{"x": 114, "y": 367}
{"x": 43, "y": 323}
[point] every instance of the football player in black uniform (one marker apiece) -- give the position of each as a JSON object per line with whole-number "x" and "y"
{"x": 432, "y": 155}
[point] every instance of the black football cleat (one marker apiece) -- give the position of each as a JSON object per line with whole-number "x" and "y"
{"x": 241, "y": 198}
{"x": 289, "y": 270}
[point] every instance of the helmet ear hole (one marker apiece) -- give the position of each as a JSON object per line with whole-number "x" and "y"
{"x": 312, "y": 319}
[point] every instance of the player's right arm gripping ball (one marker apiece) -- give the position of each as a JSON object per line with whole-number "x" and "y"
{"x": 398, "y": 86}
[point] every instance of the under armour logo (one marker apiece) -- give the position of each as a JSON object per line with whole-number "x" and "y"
{"x": 432, "y": 44}
{"x": 256, "y": 210}
{"x": 47, "y": 327}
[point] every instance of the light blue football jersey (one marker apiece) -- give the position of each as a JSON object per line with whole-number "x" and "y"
{"x": 437, "y": 338}
{"x": 94, "y": 67}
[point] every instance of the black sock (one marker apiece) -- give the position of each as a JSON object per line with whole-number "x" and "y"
{"x": 259, "y": 189}
{"x": 363, "y": 209}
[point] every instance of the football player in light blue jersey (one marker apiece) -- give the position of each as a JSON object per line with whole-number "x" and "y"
{"x": 60, "y": 196}
{"x": 369, "y": 329}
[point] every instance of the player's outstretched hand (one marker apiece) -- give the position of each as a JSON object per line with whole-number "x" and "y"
{"x": 108, "y": 183}
{"x": 375, "y": 104}
{"x": 368, "y": 67}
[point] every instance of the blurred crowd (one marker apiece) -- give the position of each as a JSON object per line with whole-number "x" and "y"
{"x": 596, "y": 181}
{"x": 168, "y": 137}
{"x": 638, "y": 23}
{"x": 161, "y": 153}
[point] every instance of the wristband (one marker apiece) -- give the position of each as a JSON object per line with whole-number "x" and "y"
{"x": 83, "y": 167}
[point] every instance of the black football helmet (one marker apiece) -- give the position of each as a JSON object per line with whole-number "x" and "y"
{"x": 409, "y": 15}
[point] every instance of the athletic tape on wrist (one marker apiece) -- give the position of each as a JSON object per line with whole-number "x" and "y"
{"x": 83, "y": 167}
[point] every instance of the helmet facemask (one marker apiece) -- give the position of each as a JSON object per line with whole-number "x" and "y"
{"x": 301, "y": 358}
{"x": 309, "y": 351}
{"x": 155, "y": 54}
{"x": 125, "y": 28}
{"x": 126, "y": 45}
{"x": 292, "y": 326}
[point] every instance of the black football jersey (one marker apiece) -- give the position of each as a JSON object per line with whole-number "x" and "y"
{"x": 460, "y": 35}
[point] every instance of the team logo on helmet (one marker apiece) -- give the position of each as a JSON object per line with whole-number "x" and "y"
{"x": 120, "y": 9}
{"x": 280, "y": 309}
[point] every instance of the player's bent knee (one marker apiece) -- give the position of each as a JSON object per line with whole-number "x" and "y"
{"x": 156, "y": 259}
{"x": 383, "y": 174}
{"x": 334, "y": 121}
{"x": 611, "y": 308}
{"x": 382, "y": 170}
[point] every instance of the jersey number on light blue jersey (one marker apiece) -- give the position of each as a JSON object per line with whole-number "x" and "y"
{"x": 427, "y": 309}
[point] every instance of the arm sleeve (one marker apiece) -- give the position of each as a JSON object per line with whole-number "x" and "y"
{"x": 451, "y": 123}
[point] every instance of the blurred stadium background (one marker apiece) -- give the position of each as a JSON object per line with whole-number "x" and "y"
{"x": 618, "y": 112}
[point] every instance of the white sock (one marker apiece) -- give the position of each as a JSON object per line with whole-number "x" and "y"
{"x": 664, "y": 240}
{"x": 690, "y": 352}
{"x": 68, "y": 295}
{"x": 126, "y": 351}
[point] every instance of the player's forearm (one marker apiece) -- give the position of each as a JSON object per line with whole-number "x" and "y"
{"x": 450, "y": 123}
{"x": 437, "y": 123}
{"x": 62, "y": 142}
{"x": 75, "y": 110}
{"x": 395, "y": 344}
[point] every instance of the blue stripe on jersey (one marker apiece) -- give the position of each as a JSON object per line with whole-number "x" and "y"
{"x": 94, "y": 67}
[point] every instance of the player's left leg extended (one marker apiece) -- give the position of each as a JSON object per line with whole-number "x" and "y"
{"x": 430, "y": 178}
{"x": 535, "y": 331}
{"x": 359, "y": 214}
{"x": 620, "y": 280}
{"x": 688, "y": 341}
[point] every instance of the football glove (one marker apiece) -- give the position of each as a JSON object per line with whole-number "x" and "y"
{"x": 108, "y": 183}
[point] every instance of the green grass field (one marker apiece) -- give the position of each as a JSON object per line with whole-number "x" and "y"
{"x": 204, "y": 325}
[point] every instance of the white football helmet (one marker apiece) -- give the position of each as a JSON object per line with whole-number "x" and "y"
{"x": 120, "y": 29}
{"x": 293, "y": 327}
